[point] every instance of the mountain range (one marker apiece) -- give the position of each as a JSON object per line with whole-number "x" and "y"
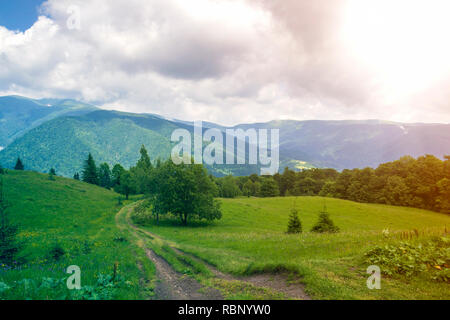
{"x": 19, "y": 114}
{"x": 54, "y": 133}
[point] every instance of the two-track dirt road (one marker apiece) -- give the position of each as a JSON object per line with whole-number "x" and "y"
{"x": 172, "y": 285}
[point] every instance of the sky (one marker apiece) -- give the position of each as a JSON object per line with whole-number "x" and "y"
{"x": 234, "y": 61}
{"x": 19, "y": 14}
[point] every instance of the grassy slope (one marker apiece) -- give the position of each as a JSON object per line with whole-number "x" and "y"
{"x": 251, "y": 238}
{"x": 69, "y": 213}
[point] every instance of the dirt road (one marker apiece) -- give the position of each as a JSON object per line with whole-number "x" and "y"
{"x": 173, "y": 285}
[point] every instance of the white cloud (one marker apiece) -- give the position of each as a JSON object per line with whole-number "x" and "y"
{"x": 227, "y": 61}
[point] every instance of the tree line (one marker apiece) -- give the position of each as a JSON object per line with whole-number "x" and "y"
{"x": 421, "y": 183}
{"x": 184, "y": 191}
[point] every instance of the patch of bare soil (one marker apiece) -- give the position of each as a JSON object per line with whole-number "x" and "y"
{"x": 175, "y": 286}
{"x": 276, "y": 282}
{"x": 280, "y": 283}
{"x": 171, "y": 284}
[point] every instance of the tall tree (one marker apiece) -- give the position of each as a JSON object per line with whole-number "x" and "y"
{"x": 287, "y": 181}
{"x": 328, "y": 189}
{"x": 142, "y": 171}
{"x": 89, "y": 173}
{"x": 247, "y": 188}
{"x": 269, "y": 188}
{"x": 447, "y": 167}
{"x": 343, "y": 183}
{"x": 52, "y": 174}
{"x": 144, "y": 162}
{"x": 305, "y": 187}
{"x": 256, "y": 189}
{"x": 443, "y": 200}
{"x": 76, "y": 176}
{"x": 104, "y": 175}
{"x": 117, "y": 172}
{"x": 228, "y": 187}
{"x": 19, "y": 165}
{"x": 395, "y": 191}
{"x": 186, "y": 191}
{"x": 126, "y": 186}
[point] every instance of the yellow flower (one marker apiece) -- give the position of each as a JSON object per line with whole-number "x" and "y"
{"x": 438, "y": 267}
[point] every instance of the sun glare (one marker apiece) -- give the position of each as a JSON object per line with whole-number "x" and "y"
{"x": 405, "y": 43}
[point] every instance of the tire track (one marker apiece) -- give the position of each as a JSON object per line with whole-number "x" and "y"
{"x": 171, "y": 284}
{"x": 276, "y": 282}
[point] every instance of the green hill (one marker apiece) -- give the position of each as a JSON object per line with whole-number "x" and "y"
{"x": 62, "y": 135}
{"x": 251, "y": 238}
{"x": 79, "y": 218}
{"x": 19, "y": 114}
{"x": 111, "y": 137}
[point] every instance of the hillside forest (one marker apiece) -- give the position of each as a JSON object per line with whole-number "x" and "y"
{"x": 420, "y": 183}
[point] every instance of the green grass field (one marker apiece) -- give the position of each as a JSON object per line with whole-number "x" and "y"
{"x": 81, "y": 219}
{"x": 251, "y": 238}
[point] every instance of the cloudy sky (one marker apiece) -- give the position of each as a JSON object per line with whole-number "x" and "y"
{"x": 233, "y": 61}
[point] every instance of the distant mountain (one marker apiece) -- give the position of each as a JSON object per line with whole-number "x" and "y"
{"x": 19, "y": 114}
{"x": 115, "y": 137}
{"x": 357, "y": 144}
{"x": 112, "y": 137}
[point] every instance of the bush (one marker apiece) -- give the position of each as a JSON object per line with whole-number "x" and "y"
{"x": 294, "y": 225}
{"x": 406, "y": 258}
{"x": 325, "y": 224}
{"x": 31, "y": 289}
{"x": 104, "y": 289}
{"x": 142, "y": 213}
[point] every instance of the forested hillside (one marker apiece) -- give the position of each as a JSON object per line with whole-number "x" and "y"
{"x": 421, "y": 183}
{"x": 19, "y": 114}
{"x": 115, "y": 137}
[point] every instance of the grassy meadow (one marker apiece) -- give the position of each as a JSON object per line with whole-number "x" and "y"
{"x": 78, "y": 218}
{"x": 251, "y": 238}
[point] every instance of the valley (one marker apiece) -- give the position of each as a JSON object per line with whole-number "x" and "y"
{"x": 225, "y": 158}
{"x": 64, "y": 139}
